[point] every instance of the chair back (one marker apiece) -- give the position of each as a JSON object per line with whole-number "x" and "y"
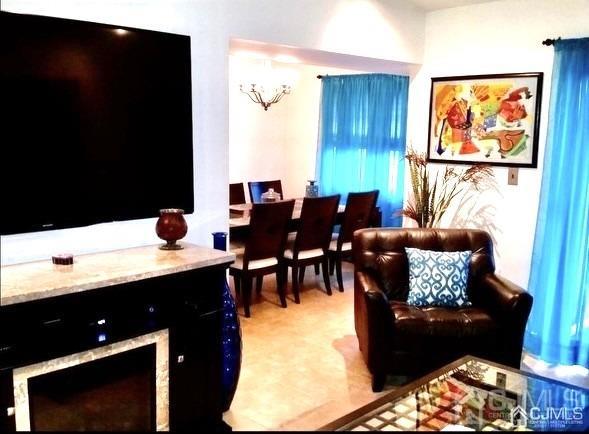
{"x": 381, "y": 252}
{"x": 236, "y": 193}
{"x": 359, "y": 207}
{"x": 268, "y": 230}
{"x": 316, "y": 222}
{"x": 257, "y": 188}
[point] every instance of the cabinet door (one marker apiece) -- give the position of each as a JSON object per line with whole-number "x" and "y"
{"x": 7, "y": 422}
{"x": 195, "y": 373}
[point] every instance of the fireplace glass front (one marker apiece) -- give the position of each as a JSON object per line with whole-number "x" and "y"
{"x": 115, "y": 393}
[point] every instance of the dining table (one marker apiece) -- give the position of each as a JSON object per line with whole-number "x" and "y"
{"x": 239, "y": 218}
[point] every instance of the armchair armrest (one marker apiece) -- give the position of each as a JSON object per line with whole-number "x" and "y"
{"x": 510, "y": 305}
{"x": 373, "y": 320}
{"x": 506, "y": 300}
{"x": 373, "y": 295}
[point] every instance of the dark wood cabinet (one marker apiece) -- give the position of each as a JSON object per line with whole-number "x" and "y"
{"x": 188, "y": 304}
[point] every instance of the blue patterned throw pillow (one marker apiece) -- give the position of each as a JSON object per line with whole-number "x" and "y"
{"x": 438, "y": 278}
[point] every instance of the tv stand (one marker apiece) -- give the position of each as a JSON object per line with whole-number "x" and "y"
{"x": 50, "y": 311}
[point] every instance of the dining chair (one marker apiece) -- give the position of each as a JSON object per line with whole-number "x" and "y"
{"x": 262, "y": 252}
{"x": 236, "y": 193}
{"x": 257, "y": 188}
{"x": 359, "y": 208}
{"x": 312, "y": 239}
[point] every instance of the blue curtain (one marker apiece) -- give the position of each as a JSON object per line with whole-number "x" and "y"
{"x": 558, "y": 329}
{"x": 362, "y": 138}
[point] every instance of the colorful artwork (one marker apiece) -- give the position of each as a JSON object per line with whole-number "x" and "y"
{"x": 490, "y": 119}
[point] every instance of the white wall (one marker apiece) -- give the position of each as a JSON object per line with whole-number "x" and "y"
{"x": 386, "y": 29}
{"x": 499, "y": 37}
{"x": 280, "y": 143}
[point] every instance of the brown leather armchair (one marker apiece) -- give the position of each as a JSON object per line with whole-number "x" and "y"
{"x": 396, "y": 338}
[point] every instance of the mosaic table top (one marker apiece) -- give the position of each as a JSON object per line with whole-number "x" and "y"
{"x": 473, "y": 394}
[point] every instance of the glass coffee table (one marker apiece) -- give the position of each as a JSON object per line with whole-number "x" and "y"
{"x": 474, "y": 394}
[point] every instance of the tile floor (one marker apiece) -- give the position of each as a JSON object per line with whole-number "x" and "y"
{"x": 577, "y": 375}
{"x": 301, "y": 366}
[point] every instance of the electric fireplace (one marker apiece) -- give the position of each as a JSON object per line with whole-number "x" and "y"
{"x": 129, "y": 340}
{"x": 119, "y": 387}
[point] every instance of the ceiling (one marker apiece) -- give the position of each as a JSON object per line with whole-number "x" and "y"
{"x": 289, "y": 54}
{"x": 434, "y": 5}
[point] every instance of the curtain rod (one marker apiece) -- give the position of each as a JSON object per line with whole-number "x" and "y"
{"x": 549, "y": 41}
{"x": 320, "y": 76}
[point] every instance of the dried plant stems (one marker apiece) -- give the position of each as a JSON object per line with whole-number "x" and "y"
{"x": 431, "y": 200}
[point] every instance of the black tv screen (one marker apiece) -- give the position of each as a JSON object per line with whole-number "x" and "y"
{"x": 95, "y": 123}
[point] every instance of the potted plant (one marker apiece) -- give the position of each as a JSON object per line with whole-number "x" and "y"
{"x": 433, "y": 193}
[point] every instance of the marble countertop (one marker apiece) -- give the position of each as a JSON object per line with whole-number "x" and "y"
{"x": 30, "y": 281}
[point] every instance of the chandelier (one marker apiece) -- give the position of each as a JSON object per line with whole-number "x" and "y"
{"x": 268, "y": 89}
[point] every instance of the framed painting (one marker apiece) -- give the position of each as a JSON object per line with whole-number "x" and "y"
{"x": 492, "y": 119}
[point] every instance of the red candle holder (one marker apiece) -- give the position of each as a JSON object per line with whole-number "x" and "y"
{"x": 170, "y": 227}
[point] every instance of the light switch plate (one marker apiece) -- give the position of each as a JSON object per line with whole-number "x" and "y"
{"x": 512, "y": 173}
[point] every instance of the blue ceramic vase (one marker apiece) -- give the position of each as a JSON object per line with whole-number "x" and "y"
{"x": 231, "y": 335}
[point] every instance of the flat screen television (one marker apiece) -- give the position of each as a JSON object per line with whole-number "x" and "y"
{"x": 95, "y": 123}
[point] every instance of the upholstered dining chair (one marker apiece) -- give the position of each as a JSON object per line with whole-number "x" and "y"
{"x": 257, "y": 188}
{"x": 236, "y": 193}
{"x": 359, "y": 208}
{"x": 312, "y": 239}
{"x": 263, "y": 248}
